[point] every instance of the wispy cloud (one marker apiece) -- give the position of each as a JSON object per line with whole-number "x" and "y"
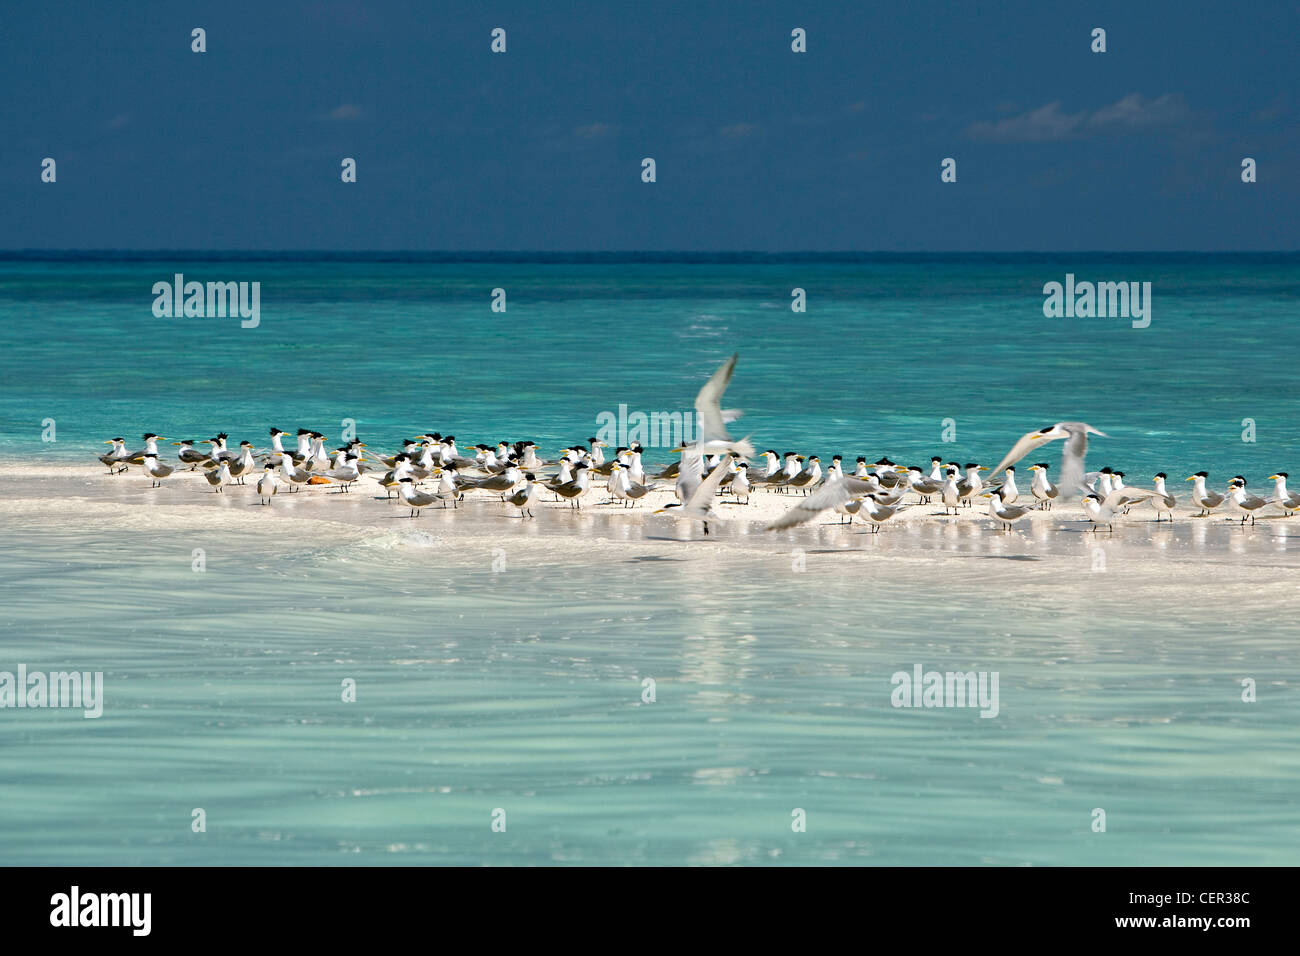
{"x": 1273, "y": 111}
{"x": 345, "y": 111}
{"x": 1048, "y": 124}
{"x": 594, "y": 130}
{"x": 738, "y": 130}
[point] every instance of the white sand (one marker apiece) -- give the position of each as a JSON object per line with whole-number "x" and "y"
{"x": 40, "y": 495}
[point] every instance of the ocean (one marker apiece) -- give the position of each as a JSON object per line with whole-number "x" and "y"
{"x": 502, "y": 713}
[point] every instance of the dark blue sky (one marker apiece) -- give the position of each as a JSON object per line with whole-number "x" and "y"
{"x": 757, "y": 148}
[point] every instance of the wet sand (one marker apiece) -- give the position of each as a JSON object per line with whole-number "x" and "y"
{"x": 83, "y": 496}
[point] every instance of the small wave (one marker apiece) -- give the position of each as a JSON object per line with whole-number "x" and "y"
{"x": 401, "y": 540}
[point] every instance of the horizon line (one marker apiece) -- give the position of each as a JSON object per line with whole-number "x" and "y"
{"x": 580, "y": 255}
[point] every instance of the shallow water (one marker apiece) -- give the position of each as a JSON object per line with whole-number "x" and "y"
{"x": 521, "y": 688}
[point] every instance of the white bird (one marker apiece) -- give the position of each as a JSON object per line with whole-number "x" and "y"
{"x": 700, "y": 505}
{"x": 115, "y": 460}
{"x": 972, "y": 486}
{"x": 293, "y": 475}
{"x": 219, "y": 476}
{"x": 1288, "y": 501}
{"x": 523, "y": 498}
{"x": 878, "y": 513}
{"x": 156, "y": 469}
{"x": 1162, "y": 501}
{"x": 922, "y": 485}
{"x": 625, "y": 489}
{"x": 740, "y": 486}
{"x": 574, "y": 491}
{"x": 1042, "y": 488}
{"x": 713, "y": 435}
{"x": 949, "y": 494}
{"x": 1076, "y": 447}
{"x": 808, "y": 477}
{"x": 416, "y": 500}
{"x": 345, "y": 473}
{"x": 1102, "y": 511}
{"x": 1243, "y": 503}
{"x": 188, "y": 456}
{"x": 1203, "y": 498}
{"x": 833, "y": 494}
{"x": 268, "y": 484}
{"x": 1000, "y": 510}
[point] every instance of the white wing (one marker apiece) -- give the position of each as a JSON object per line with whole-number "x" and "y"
{"x": 1071, "y": 476}
{"x": 689, "y": 472}
{"x": 702, "y": 495}
{"x": 1020, "y": 449}
{"x": 1127, "y": 495}
{"x": 708, "y": 403}
{"x": 833, "y": 493}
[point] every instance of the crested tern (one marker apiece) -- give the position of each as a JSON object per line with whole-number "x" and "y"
{"x": 1042, "y": 488}
{"x": 1102, "y": 511}
{"x": 268, "y": 484}
{"x": 712, "y": 421}
{"x": 1002, "y": 511}
{"x": 156, "y": 469}
{"x": 1203, "y": 498}
{"x": 1288, "y": 501}
{"x": 523, "y": 498}
{"x": 1162, "y": 500}
{"x": 699, "y": 507}
{"x": 1242, "y": 502}
{"x": 1070, "y": 475}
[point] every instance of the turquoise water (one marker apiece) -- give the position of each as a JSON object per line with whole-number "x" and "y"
{"x": 522, "y": 689}
{"x": 888, "y": 349}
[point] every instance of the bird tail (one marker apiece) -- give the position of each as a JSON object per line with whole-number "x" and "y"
{"x": 743, "y": 448}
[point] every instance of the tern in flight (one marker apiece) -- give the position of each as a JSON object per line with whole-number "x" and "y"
{"x": 699, "y": 505}
{"x": 1076, "y": 434}
{"x": 712, "y": 420}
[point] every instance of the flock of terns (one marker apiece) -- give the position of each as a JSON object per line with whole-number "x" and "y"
{"x": 430, "y": 470}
